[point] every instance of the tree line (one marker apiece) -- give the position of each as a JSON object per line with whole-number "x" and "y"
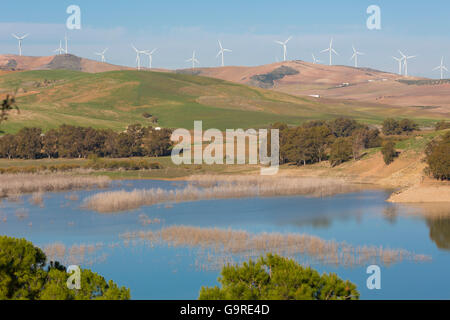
{"x": 337, "y": 140}
{"x": 81, "y": 142}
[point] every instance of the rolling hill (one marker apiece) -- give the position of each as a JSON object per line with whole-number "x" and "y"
{"x": 115, "y": 99}
{"x": 58, "y": 62}
{"x": 341, "y": 83}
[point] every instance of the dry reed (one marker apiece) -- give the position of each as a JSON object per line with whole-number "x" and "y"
{"x": 216, "y": 187}
{"x": 227, "y": 244}
{"x": 14, "y": 185}
{"x": 78, "y": 254}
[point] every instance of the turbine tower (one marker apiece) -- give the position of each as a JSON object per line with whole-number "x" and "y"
{"x": 67, "y": 43}
{"x": 442, "y": 67}
{"x": 355, "y": 55}
{"x": 193, "y": 60}
{"x": 405, "y": 59}
{"x": 331, "y": 51}
{"x": 284, "y": 44}
{"x": 60, "y": 50}
{"x": 138, "y": 57}
{"x": 399, "y": 60}
{"x": 222, "y": 52}
{"x": 315, "y": 61}
{"x": 20, "y": 41}
{"x": 102, "y": 54}
{"x": 150, "y": 57}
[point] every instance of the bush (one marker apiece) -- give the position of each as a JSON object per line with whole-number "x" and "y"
{"x": 393, "y": 127}
{"x": 389, "y": 152}
{"x": 438, "y": 158}
{"x": 277, "y": 278}
{"x": 442, "y": 125}
{"x": 24, "y": 275}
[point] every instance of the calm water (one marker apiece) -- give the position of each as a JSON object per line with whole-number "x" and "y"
{"x": 161, "y": 272}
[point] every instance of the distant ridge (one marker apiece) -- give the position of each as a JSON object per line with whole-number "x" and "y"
{"x": 57, "y": 62}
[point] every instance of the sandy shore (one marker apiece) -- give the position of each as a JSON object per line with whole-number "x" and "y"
{"x": 422, "y": 194}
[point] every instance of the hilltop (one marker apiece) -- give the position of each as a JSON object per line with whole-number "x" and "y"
{"x": 11, "y": 62}
{"x": 340, "y": 83}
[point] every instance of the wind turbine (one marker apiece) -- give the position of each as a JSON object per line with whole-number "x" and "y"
{"x": 60, "y": 50}
{"x": 221, "y": 52}
{"x": 150, "y": 57}
{"x": 399, "y": 60}
{"x": 442, "y": 68}
{"x": 20, "y": 41}
{"x": 405, "y": 63}
{"x": 315, "y": 61}
{"x": 355, "y": 55}
{"x": 284, "y": 44}
{"x": 102, "y": 54}
{"x": 67, "y": 43}
{"x": 138, "y": 57}
{"x": 331, "y": 51}
{"x": 193, "y": 60}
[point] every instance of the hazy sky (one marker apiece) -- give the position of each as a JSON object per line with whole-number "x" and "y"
{"x": 247, "y": 27}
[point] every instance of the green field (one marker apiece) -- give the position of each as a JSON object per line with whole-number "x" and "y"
{"x": 116, "y": 99}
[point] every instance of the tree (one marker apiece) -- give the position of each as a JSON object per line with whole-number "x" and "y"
{"x": 7, "y": 147}
{"x": 394, "y": 127}
{"x": 343, "y": 127}
{"x": 391, "y": 127}
{"x": 277, "y": 278}
{"x": 438, "y": 157}
{"x": 23, "y": 275}
{"x": 341, "y": 151}
{"x": 157, "y": 143}
{"x": 28, "y": 143}
{"x": 8, "y": 104}
{"x": 389, "y": 152}
{"x": 442, "y": 125}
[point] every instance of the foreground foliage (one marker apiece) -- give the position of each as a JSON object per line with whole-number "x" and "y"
{"x": 277, "y": 278}
{"x": 24, "y": 275}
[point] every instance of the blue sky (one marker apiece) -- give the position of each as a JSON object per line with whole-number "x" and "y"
{"x": 250, "y": 28}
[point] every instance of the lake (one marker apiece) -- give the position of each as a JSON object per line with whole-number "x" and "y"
{"x": 162, "y": 271}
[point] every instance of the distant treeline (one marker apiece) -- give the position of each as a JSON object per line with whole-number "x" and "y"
{"x": 80, "y": 142}
{"x": 337, "y": 140}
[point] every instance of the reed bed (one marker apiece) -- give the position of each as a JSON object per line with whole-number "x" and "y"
{"x": 77, "y": 254}
{"x": 227, "y": 244}
{"x": 216, "y": 187}
{"x": 14, "y": 185}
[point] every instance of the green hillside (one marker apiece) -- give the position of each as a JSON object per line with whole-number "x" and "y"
{"x": 115, "y": 99}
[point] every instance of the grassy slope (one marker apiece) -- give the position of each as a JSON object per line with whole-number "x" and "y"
{"x": 116, "y": 99}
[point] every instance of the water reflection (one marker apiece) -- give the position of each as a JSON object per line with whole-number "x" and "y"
{"x": 437, "y": 217}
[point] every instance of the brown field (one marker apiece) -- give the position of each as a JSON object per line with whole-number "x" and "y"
{"x": 365, "y": 85}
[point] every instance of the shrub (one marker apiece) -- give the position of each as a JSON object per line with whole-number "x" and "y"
{"x": 438, "y": 158}
{"x": 393, "y": 127}
{"x": 389, "y": 152}
{"x": 442, "y": 125}
{"x": 277, "y": 278}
